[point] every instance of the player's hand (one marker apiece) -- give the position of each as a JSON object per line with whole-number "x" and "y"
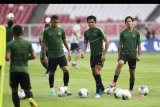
{"x": 45, "y": 59}
{"x": 69, "y": 56}
{"x": 138, "y": 58}
{"x": 103, "y": 58}
{"x": 82, "y": 54}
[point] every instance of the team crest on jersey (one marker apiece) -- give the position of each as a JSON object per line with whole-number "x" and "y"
{"x": 133, "y": 35}
{"x": 59, "y": 33}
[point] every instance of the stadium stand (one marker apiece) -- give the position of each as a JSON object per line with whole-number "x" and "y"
{"x": 109, "y": 14}
{"x": 22, "y": 12}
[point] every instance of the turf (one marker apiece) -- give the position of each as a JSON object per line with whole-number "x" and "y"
{"x": 147, "y": 73}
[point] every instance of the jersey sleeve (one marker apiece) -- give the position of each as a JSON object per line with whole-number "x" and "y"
{"x": 63, "y": 35}
{"x": 41, "y": 35}
{"x": 44, "y": 37}
{"x": 120, "y": 39}
{"x": 139, "y": 37}
{"x": 102, "y": 34}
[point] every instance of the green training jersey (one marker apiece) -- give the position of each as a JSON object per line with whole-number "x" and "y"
{"x": 95, "y": 38}
{"x": 54, "y": 38}
{"x": 20, "y": 50}
{"x": 9, "y": 34}
{"x": 130, "y": 41}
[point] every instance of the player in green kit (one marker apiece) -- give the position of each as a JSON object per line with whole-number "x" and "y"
{"x": 45, "y": 64}
{"x": 54, "y": 38}
{"x": 95, "y": 37}
{"x": 9, "y": 31}
{"x": 19, "y": 51}
{"x": 130, "y": 40}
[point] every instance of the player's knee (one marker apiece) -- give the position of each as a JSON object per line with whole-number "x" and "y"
{"x": 132, "y": 70}
{"x": 121, "y": 62}
{"x": 65, "y": 69}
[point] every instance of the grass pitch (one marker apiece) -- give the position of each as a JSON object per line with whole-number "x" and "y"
{"x": 147, "y": 73}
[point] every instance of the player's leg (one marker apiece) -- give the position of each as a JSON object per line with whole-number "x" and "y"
{"x": 78, "y": 55}
{"x": 26, "y": 86}
{"x": 73, "y": 48}
{"x": 98, "y": 68}
{"x": 14, "y": 81}
{"x": 52, "y": 66}
{"x": 121, "y": 62}
{"x": 132, "y": 66}
{"x": 45, "y": 65}
{"x": 63, "y": 65}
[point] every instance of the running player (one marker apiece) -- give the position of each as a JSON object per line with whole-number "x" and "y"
{"x": 76, "y": 35}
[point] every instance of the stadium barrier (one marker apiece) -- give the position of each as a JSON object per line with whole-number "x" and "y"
{"x": 147, "y": 46}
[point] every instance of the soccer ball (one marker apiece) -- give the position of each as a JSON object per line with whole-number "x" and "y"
{"x": 109, "y": 90}
{"x": 48, "y": 19}
{"x": 61, "y": 92}
{"x": 10, "y": 16}
{"x": 143, "y": 90}
{"x": 83, "y": 93}
{"x": 21, "y": 94}
{"x": 126, "y": 94}
{"x": 118, "y": 93}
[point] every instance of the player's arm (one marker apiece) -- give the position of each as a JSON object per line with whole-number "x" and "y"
{"x": 106, "y": 40}
{"x": 8, "y": 56}
{"x": 66, "y": 45}
{"x": 43, "y": 46}
{"x": 105, "y": 49}
{"x": 120, "y": 46}
{"x": 85, "y": 43}
{"x": 32, "y": 54}
{"x": 139, "y": 47}
{"x": 8, "y": 52}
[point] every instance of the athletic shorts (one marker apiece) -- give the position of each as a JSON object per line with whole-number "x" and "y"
{"x": 54, "y": 62}
{"x": 96, "y": 60}
{"x": 74, "y": 46}
{"x": 131, "y": 61}
{"x": 21, "y": 78}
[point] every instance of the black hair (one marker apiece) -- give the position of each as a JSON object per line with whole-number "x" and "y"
{"x": 91, "y": 17}
{"x": 54, "y": 17}
{"x": 46, "y": 25}
{"x": 17, "y": 30}
{"x": 10, "y": 23}
{"x": 129, "y": 17}
{"x": 78, "y": 21}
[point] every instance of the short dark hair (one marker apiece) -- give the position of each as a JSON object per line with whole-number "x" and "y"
{"x": 129, "y": 17}
{"x": 46, "y": 25}
{"x": 91, "y": 17}
{"x": 54, "y": 17}
{"x": 78, "y": 21}
{"x": 17, "y": 30}
{"x": 10, "y": 23}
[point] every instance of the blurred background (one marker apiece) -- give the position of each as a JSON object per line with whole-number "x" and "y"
{"x": 109, "y": 16}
